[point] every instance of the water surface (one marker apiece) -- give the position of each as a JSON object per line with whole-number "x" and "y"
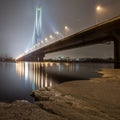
{"x": 18, "y": 80}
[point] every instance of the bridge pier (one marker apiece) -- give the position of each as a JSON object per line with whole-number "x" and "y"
{"x": 116, "y": 38}
{"x": 39, "y": 56}
{"x": 33, "y": 57}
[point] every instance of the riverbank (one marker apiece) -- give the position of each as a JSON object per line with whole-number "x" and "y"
{"x": 94, "y": 99}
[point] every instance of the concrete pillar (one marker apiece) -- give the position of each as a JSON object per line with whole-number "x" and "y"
{"x": 41, "y": 57}
{"x": 37, "y": 57}
{"x": 116, "y": 38}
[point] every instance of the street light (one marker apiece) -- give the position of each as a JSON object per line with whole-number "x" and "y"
{"x": 66, "y": 28}
{"x": 42, "y": 41}
{"x": 51, "y": 37}
{"x": 46, "y": 39}
{"x": 67, "y": 31}
{"x": 98, "y": 8}
{"x": 26, "y": 51}
{"x": 57, "y": 33}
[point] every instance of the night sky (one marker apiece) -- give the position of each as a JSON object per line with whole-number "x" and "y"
{"x": 17, "y": 18}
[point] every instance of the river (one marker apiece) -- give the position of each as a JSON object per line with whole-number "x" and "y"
{"x": 18, "y": 80}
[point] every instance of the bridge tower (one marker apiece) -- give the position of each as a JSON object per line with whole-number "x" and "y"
{"x": 37, "y": 36}
{"x": 37, "y": 26}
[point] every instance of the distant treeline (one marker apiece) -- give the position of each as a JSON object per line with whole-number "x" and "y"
{"x": 97, "y": 60}
{"x": 7, "y": 59}
{"x": 101, "y": 60}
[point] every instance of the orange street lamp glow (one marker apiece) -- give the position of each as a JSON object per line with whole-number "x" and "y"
{"x": 98, "y": 8}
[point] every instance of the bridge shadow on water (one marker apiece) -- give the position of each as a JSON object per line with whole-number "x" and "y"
{"x": 64, "y": 76}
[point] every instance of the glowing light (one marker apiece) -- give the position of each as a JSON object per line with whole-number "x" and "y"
{"x": 51, "y": 64}
{"x": 42, "y": 41}
{"x": 26, "y": 51}
{"x": 46, "y": 39}
{"x": 66, "y": 28}
{"x": 26, "y": 71}
{"x": 98, "y": 8}
{"x": 57, "y": 33}
{"x": 19, "y": 56}
{"x": 51, "y": 37}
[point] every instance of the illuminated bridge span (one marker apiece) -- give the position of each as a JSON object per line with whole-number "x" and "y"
{"x": 101, "y": 33}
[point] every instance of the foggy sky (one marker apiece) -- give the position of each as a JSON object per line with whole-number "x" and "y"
{"x": 17, "y": 19}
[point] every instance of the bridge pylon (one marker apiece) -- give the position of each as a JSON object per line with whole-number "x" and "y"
{"x": 37, "y": 26}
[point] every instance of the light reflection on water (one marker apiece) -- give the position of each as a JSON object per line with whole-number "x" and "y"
{"x": 48, "y": 74}
{"x": 35, "y": 73}
{"x": 18, "y": 80}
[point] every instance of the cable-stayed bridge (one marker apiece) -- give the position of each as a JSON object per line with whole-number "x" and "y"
{"x": 97, "y": 34}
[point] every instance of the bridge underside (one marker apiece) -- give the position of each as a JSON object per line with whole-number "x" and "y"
{"x": 101, "y": 33}
{"x": 33, "y": 57}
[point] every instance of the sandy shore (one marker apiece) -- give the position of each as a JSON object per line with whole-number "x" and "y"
{"x": 101, "y": 93}
{"x": 94, "y": 99}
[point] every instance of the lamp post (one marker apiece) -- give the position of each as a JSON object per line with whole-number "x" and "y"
{"x": 97, "y": 11}
{"x": 59, "y": 35}
{"x": 98, "y": 8}
{"x": 66, "y": 28}
{"x": 51, "y": 37}
{"x": 67, "y": 31}
{"x": 46, "y": 39}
